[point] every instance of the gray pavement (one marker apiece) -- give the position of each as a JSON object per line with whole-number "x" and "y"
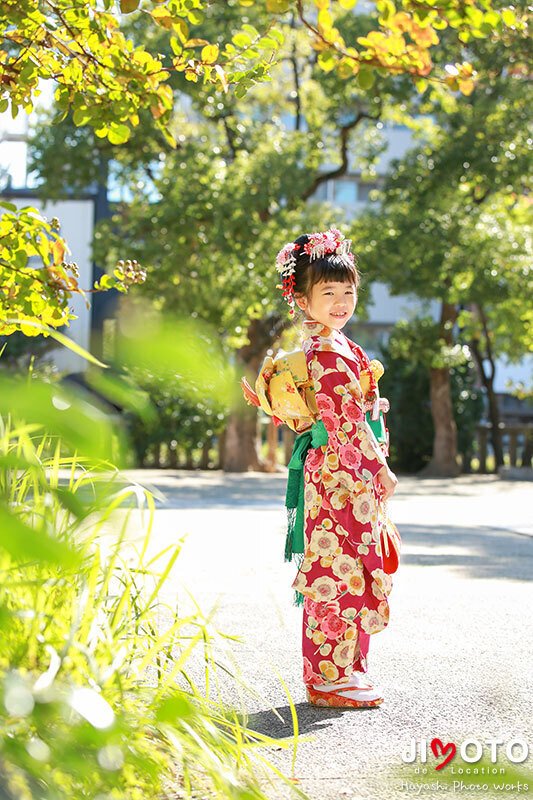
{"x": 455, "y": 662}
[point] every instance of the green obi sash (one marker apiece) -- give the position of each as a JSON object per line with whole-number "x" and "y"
{"x": 315, "y": 436}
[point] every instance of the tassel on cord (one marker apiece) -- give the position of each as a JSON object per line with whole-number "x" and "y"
{"x": 289, "y": 539}
{"x": 297, "y": 558}
{"x": 249, "y": 395}
{"x": 298, "y": 596}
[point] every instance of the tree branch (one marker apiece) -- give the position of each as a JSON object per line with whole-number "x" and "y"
{"x": 343, "y": 168}
{"x": 294, "y": 62}
{"x": 488, "y": 346}
{"x": 230, "y": 136}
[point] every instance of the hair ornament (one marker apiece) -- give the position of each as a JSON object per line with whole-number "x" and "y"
{"x": 286, "y": 265}
{"x": 331, "y": 242}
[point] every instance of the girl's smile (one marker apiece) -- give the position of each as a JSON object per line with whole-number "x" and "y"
{"x": 331, "y": 304}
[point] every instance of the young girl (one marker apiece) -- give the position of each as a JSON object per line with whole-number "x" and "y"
{"x": 346, "y": 481}
{"x": 340, "y": 519}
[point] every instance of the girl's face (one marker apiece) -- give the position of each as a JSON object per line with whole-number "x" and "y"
{"x": 332, "y": 304}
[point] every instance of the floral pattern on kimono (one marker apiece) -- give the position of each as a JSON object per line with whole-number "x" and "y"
{"x": 341, "y": 576}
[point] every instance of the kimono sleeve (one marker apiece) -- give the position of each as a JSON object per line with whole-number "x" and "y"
{"x": 339, "y": 400}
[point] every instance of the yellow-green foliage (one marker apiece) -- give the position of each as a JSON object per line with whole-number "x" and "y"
{"x": 90, "y": 704}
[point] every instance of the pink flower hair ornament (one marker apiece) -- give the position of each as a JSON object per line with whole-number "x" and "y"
{"x": 318, "y": 245}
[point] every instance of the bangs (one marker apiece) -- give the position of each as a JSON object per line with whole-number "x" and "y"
{"x": 334, "y": 268}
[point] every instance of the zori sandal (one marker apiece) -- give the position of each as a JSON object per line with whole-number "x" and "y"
{"x": 345, "y": 695}
{"x": 357, "y": 680}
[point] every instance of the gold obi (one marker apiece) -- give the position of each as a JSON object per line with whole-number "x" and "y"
{"x": 285, "y": 390}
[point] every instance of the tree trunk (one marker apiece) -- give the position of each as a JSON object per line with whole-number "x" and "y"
{"x": 527, "y": 455}
{"x": 444, "y": 461}
{"x": 487, "y": 379}
{"x": 272, "y": 446}
{"x": 240, "y": 445}
{"x": 172, "y": 457}
{"x": 204, "y": 460}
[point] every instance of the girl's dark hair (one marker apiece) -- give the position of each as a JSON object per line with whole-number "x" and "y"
{"x": 320, "y": 270}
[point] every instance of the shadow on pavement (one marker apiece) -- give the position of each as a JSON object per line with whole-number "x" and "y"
{"x": 311, "y": 719}
{"x": 248, "y": 490}
{"x": 482, "y": 552}
{"x": 215, "y": 489}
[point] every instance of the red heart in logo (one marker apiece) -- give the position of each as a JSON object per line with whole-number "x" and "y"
{"x": 450, "y": 748}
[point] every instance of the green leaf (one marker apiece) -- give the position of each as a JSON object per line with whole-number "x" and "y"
{"x": 176, "y": 46}
{"x": 118, "y": 134}
{"x": 254, "y": 33}
{"x": 365, "y": 78}
{"x": 209, "y": 53}
{"x": 326, "y": 61}
{"x": 65, "y": 413}
{"x": 242, "y": 39}
{"x": 127, "y": 6}
{"x": 509, "y": 17}
{"x": 277, "y": 34}
{"x": 27, "y": 544}
{"x": 167, "y": 135}
{"x": 106, "y": 282}
{"x": 121, "y": 392}
{"x": 174, "y": 708}
{"x": 277, "y": 6}
{"x": 196, "y": 16}
{"x": 20, "y": 257}
{"x": 81, "y": 116}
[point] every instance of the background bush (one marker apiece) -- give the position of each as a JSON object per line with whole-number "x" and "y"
{"x": 406, "y": 384}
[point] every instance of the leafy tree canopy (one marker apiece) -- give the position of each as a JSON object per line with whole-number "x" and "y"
{"x": 113, "y": 80}
{"x": 452, "y": 222}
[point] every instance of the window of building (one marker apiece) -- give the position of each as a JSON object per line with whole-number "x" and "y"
{"x": 321, "y": 193}
{"x": 364, "y": 189}
{"x": 345, "y": 192}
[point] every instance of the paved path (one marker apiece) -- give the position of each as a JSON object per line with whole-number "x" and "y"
{"x": 455, "y": 661}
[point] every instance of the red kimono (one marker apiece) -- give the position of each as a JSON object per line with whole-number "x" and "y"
{"x": 341, "y": 577}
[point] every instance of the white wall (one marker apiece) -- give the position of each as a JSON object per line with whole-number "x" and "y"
{"x": 383, "y": 308}
{"x": 13, "y": 148}
{"x": 76, "y": 217}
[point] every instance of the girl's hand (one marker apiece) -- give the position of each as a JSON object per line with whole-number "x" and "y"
{"x": 388, "y": 481}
